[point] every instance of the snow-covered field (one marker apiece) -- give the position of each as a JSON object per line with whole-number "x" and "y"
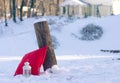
{"x": 78, "y": 61}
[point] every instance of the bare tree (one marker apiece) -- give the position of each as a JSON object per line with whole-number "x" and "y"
{"x": 5, "y": 13}
{"x": 57, "y": 8}
{"x": 14, "y": 10}
{"x": 42, "y": 7}
{"x": 10, "y": 8}
{"x": 30, "y": 6}
{"x": 21, "y": 10}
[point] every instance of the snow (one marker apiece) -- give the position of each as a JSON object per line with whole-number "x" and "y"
{"x": 72, "y": 3}
{"x": 40, "y": 20}
{"x": 78, "y": 61}
{"x": 103, "y": 2}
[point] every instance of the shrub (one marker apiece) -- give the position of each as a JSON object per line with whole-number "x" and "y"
{"x": 51, "y": 22}
{"x": 55, "y": 42}
{"x": 91, "y": 32}
{"x": 1, "y": 31}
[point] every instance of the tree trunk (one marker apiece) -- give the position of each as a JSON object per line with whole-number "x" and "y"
{"x": 10, "y": 9}
{"x": 29, "y": 9}
{"x": 57, "y": 8}
{"x": 5, "y": 13}
{"x": 14, "y": 10}
{"x": 30, "y": 6}
{"x": 21, "y": 10}
{"x": 42, "y": 8}
{"x": 44, "y": 39}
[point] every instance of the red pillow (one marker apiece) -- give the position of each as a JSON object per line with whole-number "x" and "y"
{"x": 35, "y": 59}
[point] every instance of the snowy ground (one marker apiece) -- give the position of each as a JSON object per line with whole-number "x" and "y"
{"x": 72, "y": 69}
{"x": 78, "y": 61}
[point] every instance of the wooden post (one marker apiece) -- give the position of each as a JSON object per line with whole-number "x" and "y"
{"x": 44, "y": 39}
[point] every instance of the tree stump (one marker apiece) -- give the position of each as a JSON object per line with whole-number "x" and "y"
{"x": 44, "y": 39}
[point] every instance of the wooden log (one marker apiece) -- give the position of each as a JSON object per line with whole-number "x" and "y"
{"x": 44, "y": 39}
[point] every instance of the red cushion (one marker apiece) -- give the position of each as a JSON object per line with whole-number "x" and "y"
{"x": 35, "y": 59}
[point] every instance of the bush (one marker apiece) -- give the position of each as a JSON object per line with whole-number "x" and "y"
{"x": 1, "y": 31}
{"x": 51, "y": 22}
{"x": 91, "y": 32}
{"x": 55, "y": 42}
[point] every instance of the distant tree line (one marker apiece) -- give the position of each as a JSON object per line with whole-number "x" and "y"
{"x": 29, "y": 8}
